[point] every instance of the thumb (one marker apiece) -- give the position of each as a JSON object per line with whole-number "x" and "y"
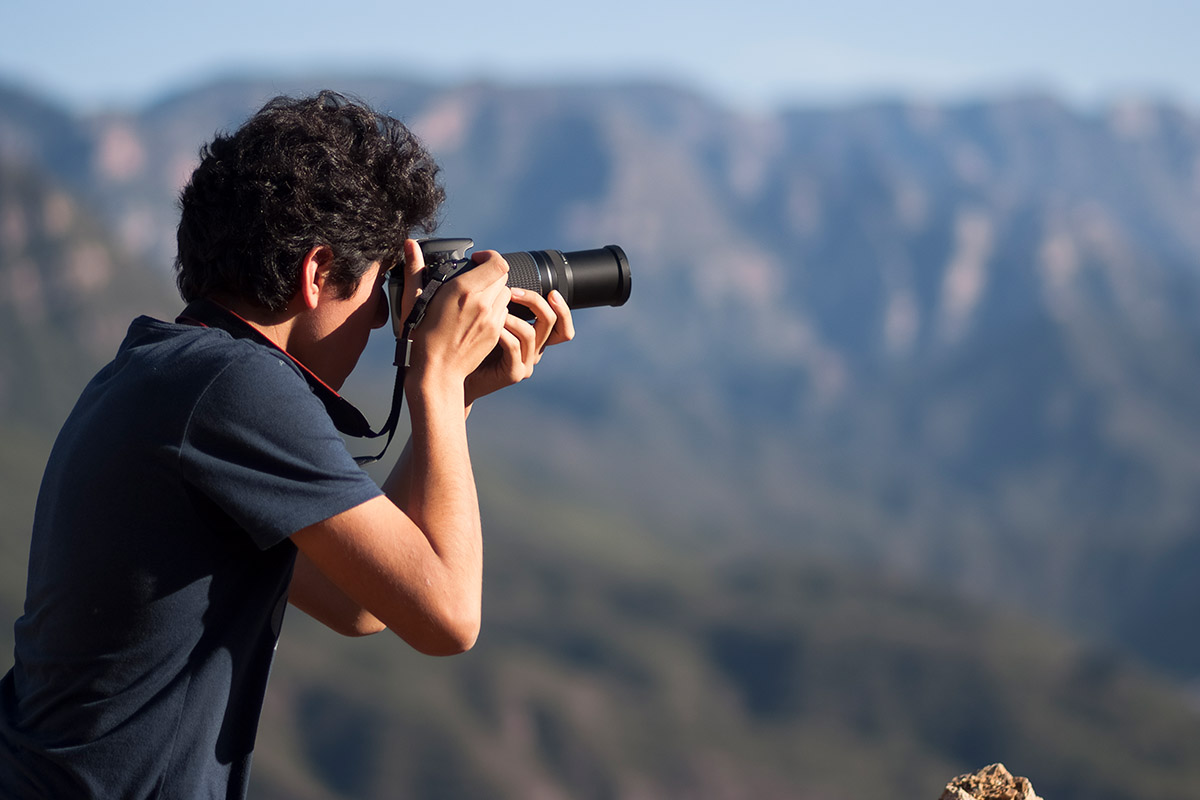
{"x": 414, "y": 265}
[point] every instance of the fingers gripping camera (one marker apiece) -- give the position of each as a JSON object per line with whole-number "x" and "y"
{"x": 585, "y": 278}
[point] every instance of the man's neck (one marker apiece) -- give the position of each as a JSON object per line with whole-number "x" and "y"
{"x": 275, "y": 325}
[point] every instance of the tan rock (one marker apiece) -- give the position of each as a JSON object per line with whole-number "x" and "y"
{"x": 993, "y": 782}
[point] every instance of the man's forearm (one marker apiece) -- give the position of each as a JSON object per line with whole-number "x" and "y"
{"x": 418, "y": 569}
{"x": 396, "y": 485}
{"x": 433, "y": 483}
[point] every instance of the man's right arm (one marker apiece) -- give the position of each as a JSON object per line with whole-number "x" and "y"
{"x": 419, "y": 570}
{"x": 419, "y": 573}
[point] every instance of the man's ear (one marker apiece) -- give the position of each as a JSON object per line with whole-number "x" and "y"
{"x": 314, "y": 272}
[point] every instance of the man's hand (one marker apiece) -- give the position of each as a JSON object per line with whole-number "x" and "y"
{"x": 521, "y": 344}
{"x": 463, "y": 322}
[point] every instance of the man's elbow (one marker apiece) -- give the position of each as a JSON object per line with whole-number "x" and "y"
{"x": 449, "y": 636}
{"x": 365, "y": 625}
{"x": 450, "y": 646}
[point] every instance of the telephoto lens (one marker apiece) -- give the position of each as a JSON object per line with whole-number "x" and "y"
{"x": 585, "y": 278}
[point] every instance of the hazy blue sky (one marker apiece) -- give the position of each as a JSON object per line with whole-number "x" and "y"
{"x": 751, "y": 52}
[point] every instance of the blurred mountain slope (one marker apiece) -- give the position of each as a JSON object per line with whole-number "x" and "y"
{"x": 954, "y": 339}
{"x": 67, "y": 294}
{"x": 868, "y": 349}
{"x": 611, "y": 667}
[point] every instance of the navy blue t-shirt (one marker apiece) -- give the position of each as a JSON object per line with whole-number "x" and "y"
{"x": 159, "y": 568}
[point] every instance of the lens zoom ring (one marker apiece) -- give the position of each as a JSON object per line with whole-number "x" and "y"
{"x": 523, "y": 272}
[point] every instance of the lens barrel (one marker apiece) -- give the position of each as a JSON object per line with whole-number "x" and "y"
{"x": 585, "y": 278}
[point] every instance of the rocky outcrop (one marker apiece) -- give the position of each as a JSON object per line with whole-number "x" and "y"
{"x": 994, "y": 782}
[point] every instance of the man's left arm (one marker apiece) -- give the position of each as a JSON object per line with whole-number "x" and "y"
{"x": 321, "y": 599}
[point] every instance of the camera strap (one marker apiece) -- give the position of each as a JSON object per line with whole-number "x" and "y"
{"x": 346, "y": 418}
{"x": 437, "y": 274}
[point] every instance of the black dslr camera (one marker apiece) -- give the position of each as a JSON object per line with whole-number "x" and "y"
{"x": 585, "y": 278}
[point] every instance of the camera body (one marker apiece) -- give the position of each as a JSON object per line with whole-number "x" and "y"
{"x": 585, "y": 278}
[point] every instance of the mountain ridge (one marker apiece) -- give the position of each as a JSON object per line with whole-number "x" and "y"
{"x": 872, "y": 366}
{"x": 971, "y": 320}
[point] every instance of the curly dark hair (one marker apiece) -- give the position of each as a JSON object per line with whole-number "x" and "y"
{"x": 323, "y": 170}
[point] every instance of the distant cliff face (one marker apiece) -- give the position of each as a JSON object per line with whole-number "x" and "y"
{"x": 67, "y": 294}
{"x": 958, "y": 339}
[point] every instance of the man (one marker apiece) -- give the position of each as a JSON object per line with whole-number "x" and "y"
{"x": 200, "y": 483}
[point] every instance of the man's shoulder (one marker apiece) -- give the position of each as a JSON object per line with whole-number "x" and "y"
{"x": 164, "y": 370}
{"x": 192, "y": 353}
{"x": 151, "y": 335}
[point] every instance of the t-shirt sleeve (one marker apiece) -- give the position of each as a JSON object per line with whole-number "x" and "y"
{"x": 261, "y": 446}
